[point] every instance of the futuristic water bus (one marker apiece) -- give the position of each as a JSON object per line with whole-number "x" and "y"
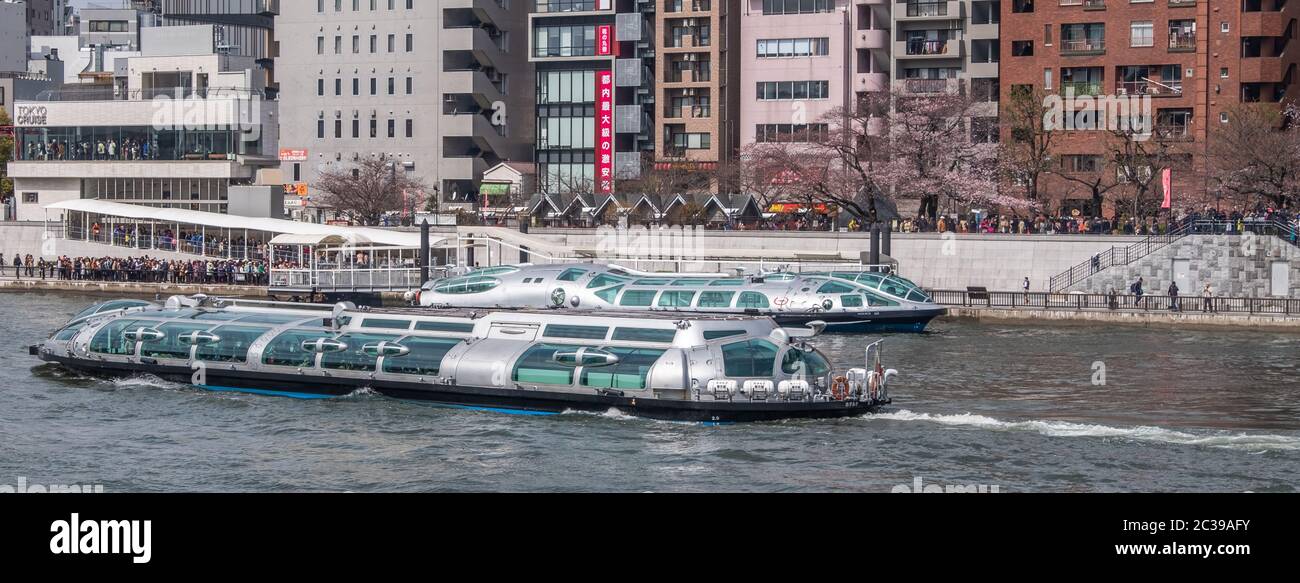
{"x": 665, "y": 366}
{"x": 847, "y": 301}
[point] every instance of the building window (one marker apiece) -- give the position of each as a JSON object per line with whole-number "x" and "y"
{"x": 1141, "y": 33}
{"x": 783, "y": 90}
{"x": 772, "y": 7}
{"x": 31, "y": 197}
{"x": 793, "y": 47}
{"x": 410, "y": 128}
{"x": 784, "y": 132}
{"x": 1022, "y": 48}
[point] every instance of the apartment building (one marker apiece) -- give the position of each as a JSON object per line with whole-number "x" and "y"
{"x": 594, "y": 71}
{"x": 950, "y": 46}
{"x": 698, "y": 93}
{"x": 1192, "y": 60}
{"x": 802, "y": 59}
{"x": 441, "y": 89}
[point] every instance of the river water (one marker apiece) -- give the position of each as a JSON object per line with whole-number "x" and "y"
{"x": 1022, "y": 408}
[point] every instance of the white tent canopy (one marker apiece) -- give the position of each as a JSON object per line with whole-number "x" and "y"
{"x": 304, "y": 233}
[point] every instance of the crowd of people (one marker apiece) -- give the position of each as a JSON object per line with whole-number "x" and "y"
{"x": 138, "y": 269}
{"x": 1236, "y": 221}
{"x": 185, "y": 242}
{"x": 86, "y": 149}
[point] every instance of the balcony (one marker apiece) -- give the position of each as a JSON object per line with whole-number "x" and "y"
{"x": 1094, "y": 4}
{"x": 1270, "y": 24}
{"x": 1150, "y": 87}
{"x": 924, "y": 10}
{"x": 871, "y": 39}
{"x": 1262, "y": 70}
{"x": 931, "y": 86}
{"x": 1081, "y": 88}
{"x": 1173, "y": 132}
{"x": 950, "y": 48}
{"x": 1181, "y": 3}
{"x": 1182, "y": 42}
{"x": 1079, "y": 47}
{"x": 870, "y": 82}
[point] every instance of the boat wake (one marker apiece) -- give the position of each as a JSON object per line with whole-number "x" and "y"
{"x": 1255, "y": 443}
{"x": 145, "y": 381}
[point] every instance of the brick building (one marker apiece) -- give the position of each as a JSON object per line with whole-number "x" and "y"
{"x": 1194, "y": 58}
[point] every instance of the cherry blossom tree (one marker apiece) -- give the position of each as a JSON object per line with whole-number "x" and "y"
{"x": 1255, "y": 157}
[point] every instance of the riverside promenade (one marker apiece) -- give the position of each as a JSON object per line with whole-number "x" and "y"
{"x": 1147, "y": 310}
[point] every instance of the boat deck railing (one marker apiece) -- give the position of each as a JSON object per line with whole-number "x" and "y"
{"x": 1281, "y": 306}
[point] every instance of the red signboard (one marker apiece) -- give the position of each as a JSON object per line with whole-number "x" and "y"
{"x": 605, "y": 132}
{"x": 605, "y": 40}
{"x": 292, "y": 155}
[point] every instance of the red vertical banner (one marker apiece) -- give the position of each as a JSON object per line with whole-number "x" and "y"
{"x": 1166, "y": 180}
{"x": 605, "y": 40}
{"x": 605, "y": 132}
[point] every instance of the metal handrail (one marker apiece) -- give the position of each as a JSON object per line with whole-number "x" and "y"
{"x": 1127, "y": 255}
{"x": 1120, "y": 303}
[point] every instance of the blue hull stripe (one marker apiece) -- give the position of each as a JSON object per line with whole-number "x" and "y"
{"x": 295, "y": 395}
{"x": 269, "y": 393}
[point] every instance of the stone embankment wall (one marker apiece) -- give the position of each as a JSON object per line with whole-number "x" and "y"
{"x": 1234, "y": 266}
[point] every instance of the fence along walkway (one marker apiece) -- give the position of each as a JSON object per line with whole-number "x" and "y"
{"x": 1120, "y": 256}
{"x": 1128, "y": 303}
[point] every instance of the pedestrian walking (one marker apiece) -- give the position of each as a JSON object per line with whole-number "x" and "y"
{"x": 1207, "y": 299}
{"x": 1174, "y": 304}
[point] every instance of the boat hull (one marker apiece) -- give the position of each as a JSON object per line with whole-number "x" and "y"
{"x": 911, "y": 321}
{"x": 506, "y": 400}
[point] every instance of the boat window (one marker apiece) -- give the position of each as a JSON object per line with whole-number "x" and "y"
{"x": 835, "y": 287}
{"x": 751, "y": 300}
{"x": 804, "y": 363}
{"x": 712, "y": 299}
{"x": 605, "y": 279}
{"x": 917, "y": 295}
{"x": 495, "y": 270}
{"x": 467, "y": 285}
{"x": 218, "y": 316}
{"x": 676, "y": 299}
{"x": 234, "y": 344}
{"x": 68, "y": 333}
{"x": 751, "y": 358}
{"x": 424, "y": 359}
{"x": 110, "y": 306}
{"x": 778, "y": 277}
{"x": 568, "y": 331}
{"x": 652, "y": 282}
{"x": 444, "y": 327}
{"x": 851, "y": 301}
{"x": 716, "y": 334}
{"x": 536, "y": 366}
{"x": 894, "y": 288}
{"x": 644, "y": 334}
{"x": 869, "y": 278}
{"x": 386, "y": 324}
{"x": 286, "y": 349}
{"x": 630, "y": 373}
{"x": 609, "y": 294}
{"x": 353, "y": 358}
{"x": 272, "y": 319}
{"x": 722, "y": 282}
{"x": 571, "y": 275}
{"x": 875, "y": 300}
{"x": 695, "y": 281}
{"x": 110, "y": 339}
{"x": 638, "y": 298}
{"x": 171, "y": 346}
